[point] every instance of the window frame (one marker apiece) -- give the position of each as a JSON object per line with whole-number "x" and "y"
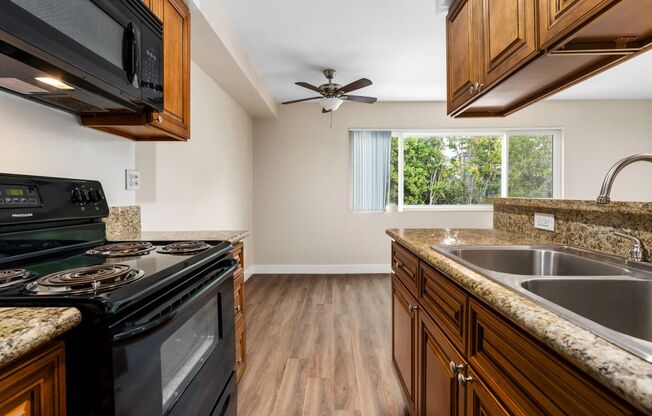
{"x": 557, "y": 134}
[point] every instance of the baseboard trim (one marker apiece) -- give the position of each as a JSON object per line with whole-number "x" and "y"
{"x": 317, "y": 269}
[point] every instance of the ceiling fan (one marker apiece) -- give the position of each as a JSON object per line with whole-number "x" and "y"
{"x": 333, "y": 95}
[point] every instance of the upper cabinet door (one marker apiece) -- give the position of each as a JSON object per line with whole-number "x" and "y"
{"x": 464, "y": 54}
{"x": 176, "y": 74}
{"x": 508, "y": 36}
{"x": 556, "y": 17}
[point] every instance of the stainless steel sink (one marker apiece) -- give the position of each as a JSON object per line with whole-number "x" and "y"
{"x": 533, "y": 261}
{"x": 622, "y": 305}
{"x": 605, "y": 294}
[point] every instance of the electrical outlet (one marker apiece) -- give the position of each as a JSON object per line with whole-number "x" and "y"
{"x": 544, "y": 221}
{"x": 132, "y": 180}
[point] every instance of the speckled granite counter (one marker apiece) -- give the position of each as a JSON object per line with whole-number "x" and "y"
{"x": 624, "y": 373}
{"x": 24, "y": 329}
{"x": 232, "y": 236}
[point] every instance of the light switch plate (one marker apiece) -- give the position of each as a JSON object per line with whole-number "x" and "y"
{"x": 544, "y": 221}
{"x": 132, "y": 180}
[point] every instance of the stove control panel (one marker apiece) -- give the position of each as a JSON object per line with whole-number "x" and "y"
{"x": 27, "y": 199}
{"x": 19, "y": 196}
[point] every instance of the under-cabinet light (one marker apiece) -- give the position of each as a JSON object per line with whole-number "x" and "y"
{"x": 54, "y": 83}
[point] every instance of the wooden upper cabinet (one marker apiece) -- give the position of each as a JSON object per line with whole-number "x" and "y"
{"x": 404, "y": 331}
{"x": 463, "y": 54}
{"x": 439, "y": 391}
{"x": 531, "y": 49}
{"x": 173, "y": 123}
{"x": 176, "y": 74}
{"x": 508, "y": 36}
{"x": 558, "y": 16}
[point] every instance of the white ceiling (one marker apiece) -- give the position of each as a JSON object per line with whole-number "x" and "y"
{"x": 399, "y": 45}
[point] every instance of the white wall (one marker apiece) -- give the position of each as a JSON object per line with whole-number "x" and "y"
{"x": 301, "y": 173}
{"x": 39, "y": 140}
{"x": 206, "y": 183}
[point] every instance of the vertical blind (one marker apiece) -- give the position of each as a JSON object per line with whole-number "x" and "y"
{"x": 370, "y": 165}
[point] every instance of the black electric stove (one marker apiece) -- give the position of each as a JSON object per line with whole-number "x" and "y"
{"x": 157, "y": 331}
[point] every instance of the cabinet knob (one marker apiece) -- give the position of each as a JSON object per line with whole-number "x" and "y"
{"x": 455, "y": 367}
{"x": 238, "y": 361}
{"x": 237, "y": 308}
{"x": 160, "y": 118}
{"x": 464, "y": 380}
{"x": 413, "y": 308}
{"x": 472, "y": 89}
{"x": 399, "y": 264}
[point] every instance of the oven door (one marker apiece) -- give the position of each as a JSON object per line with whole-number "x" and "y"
{"x": 178, "y": 357}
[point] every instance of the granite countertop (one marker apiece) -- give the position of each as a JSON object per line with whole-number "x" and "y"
{"x": 232, "y": 236}
{"x": 619, "y": 370}
{"x": 25, "y": 329}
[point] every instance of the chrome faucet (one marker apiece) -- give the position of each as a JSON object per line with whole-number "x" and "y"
{"x": 637, "y": 251}
{"x": 605, "y": 191}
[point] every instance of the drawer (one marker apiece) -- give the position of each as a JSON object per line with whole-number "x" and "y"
{"x": 238, "y": 255}
{"x": 240, "y": 351}
{"x": 445, "y": 303}
{"x": 523, "y": 371}
{"x": 405, "y": 265}
{"x": 238, "y": 297}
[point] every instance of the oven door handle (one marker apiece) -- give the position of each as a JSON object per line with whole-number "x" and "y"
{"x": 131, "y": 331}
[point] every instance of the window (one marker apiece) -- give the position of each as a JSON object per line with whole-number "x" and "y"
{"x": 458, "y": 170}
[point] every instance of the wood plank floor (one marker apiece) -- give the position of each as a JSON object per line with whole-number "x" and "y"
{"x": 319, "y": 345}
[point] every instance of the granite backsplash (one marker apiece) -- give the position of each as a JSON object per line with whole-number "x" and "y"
{"x": 583, "y": 224}
{"x": 123, "y": 223}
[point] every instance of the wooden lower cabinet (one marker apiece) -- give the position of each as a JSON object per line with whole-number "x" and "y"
{"x": 239, "y": 311}
{"x": 466, "y": 359}
{"x": 480, "y": 401}
{"x": 35, "y": 385}
{"x": 404, "y": 331}
{"x": 439, "y": 391}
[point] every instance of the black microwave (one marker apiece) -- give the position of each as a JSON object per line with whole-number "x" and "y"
{"x": 85, "y": 56}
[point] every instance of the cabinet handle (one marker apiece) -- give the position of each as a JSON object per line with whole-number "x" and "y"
{"x": 413, "y": 308}
{"x": 239, "y": 361}
{"x": 464, "y": 380}
{"x": 455, "y": 367}
{"x": 237, "y": 308}
{"x": 398, "y": 264}
{"x": 472, "y": 89}
{"x": 480, "y": 87}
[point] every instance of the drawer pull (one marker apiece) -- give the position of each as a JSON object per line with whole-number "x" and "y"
{"x": 455, "y": 367}
{"x": 464, "y": 380}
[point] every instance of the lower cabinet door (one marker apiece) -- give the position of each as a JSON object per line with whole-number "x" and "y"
{"x": 404, "y": 325}
{"x": 438, "y": 364}
{"x": 480, "y": 401}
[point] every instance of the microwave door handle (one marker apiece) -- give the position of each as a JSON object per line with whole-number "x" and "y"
{"x": 154, "y": 323}
{"x": 130, "y": 51}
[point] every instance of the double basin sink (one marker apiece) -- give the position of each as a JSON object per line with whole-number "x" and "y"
{"x": 605, "y": 294}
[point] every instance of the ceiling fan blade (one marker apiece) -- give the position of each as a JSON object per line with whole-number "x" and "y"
{"x": 360, "y": 99}
{"x": 303, "y": 99}
{"x": 356, "y": 85}
{"x": 309, "y": 86}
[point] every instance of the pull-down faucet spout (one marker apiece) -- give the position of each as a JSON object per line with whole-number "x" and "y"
{"x": 605, "y": 191}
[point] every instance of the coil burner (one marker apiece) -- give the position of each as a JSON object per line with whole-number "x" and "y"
{"x": 185, "y": 247}
{"x": 91, "y": 279}
{"x": 127, "y": 249}
{"x": 14, "y": 277}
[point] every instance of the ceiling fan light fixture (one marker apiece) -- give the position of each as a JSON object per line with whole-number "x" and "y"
{"x": 331, "y": 103}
